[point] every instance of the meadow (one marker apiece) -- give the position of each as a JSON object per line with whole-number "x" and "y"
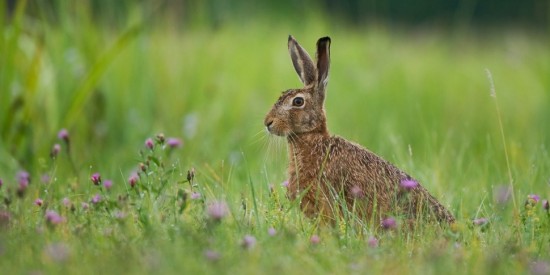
{"x": 136, "y": 145}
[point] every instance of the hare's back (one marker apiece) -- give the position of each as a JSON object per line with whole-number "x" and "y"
{"x": 361, "y": 166}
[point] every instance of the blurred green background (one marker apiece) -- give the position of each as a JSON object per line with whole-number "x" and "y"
{"x": 408, "y": 81}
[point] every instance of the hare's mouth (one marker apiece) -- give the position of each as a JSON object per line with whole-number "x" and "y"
{"x": 275, "y": 132}
{"x": 272, "y": 129}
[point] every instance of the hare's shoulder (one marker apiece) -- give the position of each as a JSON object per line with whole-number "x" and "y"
{"x": 341, "y": 147}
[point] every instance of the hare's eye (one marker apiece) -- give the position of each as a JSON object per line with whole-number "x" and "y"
{"x": 298, "y": 101}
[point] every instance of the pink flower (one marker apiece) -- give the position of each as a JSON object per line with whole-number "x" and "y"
{"x": 84, "y": 205}
{"x": 314, "y": 240}
{"x": 480, "y": 221}
{"x": 217, "y": 210}
{"x": 248, "y": 242}
{"x": 389, "y": 223}
{"x": 408, "y": 184}
{"x": 133, "y": 179}
{"x": 534, "y": 197}
{"x": 372, "y": 242}
{"x": 96, "y": 178}
{"x": 24, "y": 179}
{"x": 545, "y": 205}
{"x": 174, "y": 142}
{"x": 271, "y": 231}
{"x": 53, "y": 218}
{"x": 55, "y": 150}
{"x": 195, "y": 196}
{"x": 107, "y": 184}
{"x": 63, "y": 135}
{"x": 149, "y": 143}
{"x": 66, "y": 202}
{"x": 212, "y": 255}
{"x": 285, "y": 183}
{"x": 96, "y": 199}
{"x": 1, "y": 183}
{"x": 38, "y": 202}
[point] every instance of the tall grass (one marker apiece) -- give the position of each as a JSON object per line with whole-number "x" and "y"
{"x": 419, "y": 99}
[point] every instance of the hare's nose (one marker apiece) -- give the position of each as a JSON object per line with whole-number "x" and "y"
{"x": 268, "y": 124}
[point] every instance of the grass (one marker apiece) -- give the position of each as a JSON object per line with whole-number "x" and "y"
{"x": 422, "y": 100}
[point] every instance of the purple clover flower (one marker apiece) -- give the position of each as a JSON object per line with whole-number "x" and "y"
{"x": 409, "y": 184}
{"x": 96, "y": 199}
{"x": 217, "y": 210}
{"x": 108, "y": 184}
{"x": 535, "y": 198}
{"x": 66, "y": 202}
{"x": 38, "y": 202}
{"x": 372, "y": 242}
{"x": 174, "y": 142}
{"x": 271, "y": 231}
{"x": 55, "y": 150}
{"x": 63, "y": 135}
{"x": 53, "y": 217}
{"x": 389, "y": 223}
{"x": 248, "y": 242}
{"x": 96, "y": 178}
{"x": 133, "y": 179}
{"x": 546, "y": 205}
{"x": 84, "y": 205}
{"x": 315, "y": 239}
{"x": 24, "y": 178}
{"x": 285, "y": 183}
{"x": 195, "y": 195}
{"x": 480, "y": 221}
{"x": 149, "y": 143}
{"x": 212, "y": 255}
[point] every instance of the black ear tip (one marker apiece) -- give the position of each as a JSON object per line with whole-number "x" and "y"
{"x": 290, "y": 38}
{"x": 323, "y": 40}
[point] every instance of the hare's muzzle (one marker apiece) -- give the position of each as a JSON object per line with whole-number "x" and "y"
{"x": 268, "y": 124}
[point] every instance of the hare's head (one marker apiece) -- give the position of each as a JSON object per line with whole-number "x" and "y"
{"x": 300, "y": 111}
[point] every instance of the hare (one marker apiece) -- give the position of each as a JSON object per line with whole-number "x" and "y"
{"x": 323, "y": 168}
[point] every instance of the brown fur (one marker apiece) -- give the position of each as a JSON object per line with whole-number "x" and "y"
{"x": 323, "y": 167}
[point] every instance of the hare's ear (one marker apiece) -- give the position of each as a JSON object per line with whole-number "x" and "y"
{"x": 323, "y": 62}
{"x": 302, "y": 62}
